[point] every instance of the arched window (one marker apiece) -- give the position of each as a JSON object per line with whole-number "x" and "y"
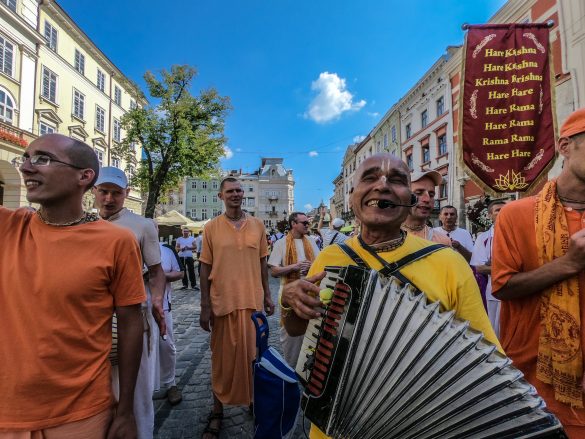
{"x": 6, "y": 107}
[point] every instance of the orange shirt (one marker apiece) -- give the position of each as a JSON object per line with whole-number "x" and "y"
{"x": 514, "y": 251}
{"x": 234, "y": 256}
{"x": 58, "y": 289}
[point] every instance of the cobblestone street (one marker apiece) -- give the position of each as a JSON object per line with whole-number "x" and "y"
{"x": 187, "y": 419}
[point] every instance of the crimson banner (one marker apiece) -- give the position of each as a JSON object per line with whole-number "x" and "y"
{"x": 506, "y": 120}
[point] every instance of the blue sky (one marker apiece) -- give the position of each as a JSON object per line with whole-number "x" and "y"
{"x": 305, "y": 77}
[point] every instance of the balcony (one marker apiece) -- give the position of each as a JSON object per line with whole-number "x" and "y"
{"x": 272, "y": 197}
{"x": 14, "y": 135}
{"x": 271, "y": 213}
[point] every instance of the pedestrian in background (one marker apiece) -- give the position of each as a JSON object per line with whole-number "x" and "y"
{"x": 291, "y": 259}
{"x": 331, "y": 234}
{"x": 164, "y": 378}
{"x": 185, "y": 246}
{"x": 461, "y": 239}
{"x": 481, "y": 259}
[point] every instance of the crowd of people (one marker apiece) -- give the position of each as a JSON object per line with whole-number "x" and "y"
{"x": 87, "y": 297}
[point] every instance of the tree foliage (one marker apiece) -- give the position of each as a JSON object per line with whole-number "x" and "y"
{"x": 181, "y": 135}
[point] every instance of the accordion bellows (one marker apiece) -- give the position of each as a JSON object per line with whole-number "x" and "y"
{"x": 383, "y": 362}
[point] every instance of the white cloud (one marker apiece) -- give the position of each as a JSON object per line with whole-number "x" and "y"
{"x": 373, "y": 113}
{"x": 332, "y": 99}
{"x": 228, "y": 153}
{"x": 358, "y": 139}
{"x": 313, "y": 154}
{"x": 308, "y": 206}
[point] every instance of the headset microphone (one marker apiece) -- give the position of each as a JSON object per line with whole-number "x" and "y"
{"x": 385, "y": 204}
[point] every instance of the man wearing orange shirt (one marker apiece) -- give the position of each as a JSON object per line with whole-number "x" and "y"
{"x": 234, "y": 284}
{"x": 539, "y": 275}
{"x": 63, "y": 272}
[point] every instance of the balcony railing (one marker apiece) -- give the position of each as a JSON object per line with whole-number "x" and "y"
{"x": 15, "y": 135}
{"x": 273, "y": 197}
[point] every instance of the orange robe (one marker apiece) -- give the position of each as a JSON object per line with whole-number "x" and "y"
{"x": 514, "y": 251}
{"x": 236, "y": 291}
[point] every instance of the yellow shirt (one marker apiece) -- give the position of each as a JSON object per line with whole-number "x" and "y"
{"x": 444, "y": 276}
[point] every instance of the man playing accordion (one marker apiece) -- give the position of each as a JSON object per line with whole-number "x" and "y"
{"x": 381, "y": 200}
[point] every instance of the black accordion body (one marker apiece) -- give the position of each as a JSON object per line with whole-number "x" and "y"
{"x": 384, "y": 362}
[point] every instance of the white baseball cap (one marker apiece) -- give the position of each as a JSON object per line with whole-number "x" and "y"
{"x": 337, "y": 222}
{"x": 111, "y": 174}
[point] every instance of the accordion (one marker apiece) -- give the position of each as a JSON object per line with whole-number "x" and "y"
{"x": 384, "y": 362}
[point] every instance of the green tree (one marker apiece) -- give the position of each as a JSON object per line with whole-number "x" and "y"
{"x": 181, "y": 134}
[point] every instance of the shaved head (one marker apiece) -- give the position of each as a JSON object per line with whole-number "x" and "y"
{"x": 384, "y": 162}
{"x": 79, "y": 153}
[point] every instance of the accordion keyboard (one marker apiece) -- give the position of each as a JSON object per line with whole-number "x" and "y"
{"x": 318, "y": 345}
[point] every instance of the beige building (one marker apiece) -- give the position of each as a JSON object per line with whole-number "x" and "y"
{"x": 59, "y": 82}
{"x": 386, "y": 134}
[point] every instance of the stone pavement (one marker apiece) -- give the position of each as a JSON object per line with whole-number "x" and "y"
{"x": 187, "y": 419}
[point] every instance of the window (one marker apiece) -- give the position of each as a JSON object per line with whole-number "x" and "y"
{"x": 100, "y": 156}
{"x": 45, "y": 129}
{"x": 117, "y": 95}
{"x": 6, "y": 107}
{"x": 440, "y": 106}
{"x": 49, "y": 86}
{"x": 204, "y": 198}
{"x": 250, "y": 189}
{"x": 385, "y": 140}
{"x": 131, "y": 171}
{"x": 10, "y": 3}
{"x": 193, "y": 213}
{"x": 132, "y": 104}
{"x": 116, "y": 163}
{"x": 100, "y": 119}
{"x": 243, "y": 202}
{"x": 216, "y": 212}
{"x": 426, "y": 154}
{"x": 78, "y": 104}
{"x": 251, "y": 202}
{"x": 203, "y": 214}
{"x": 101, "y": 80}
{"x": 442, "y": 142}
{"x": 409, "y": 161}
{"x": 204, "y": 185}
{"x": 193, "y": 198}
{"x": 79, "y": 62}
{"x": 193, "y": 185}
{"x": 117, "y": 130}
{"x": 408, "y": 131}
{"x": 443, "y": 193}
{"x": 424, "y": 119}
{"x": 393, "y": 132}
{"x": 214, "y": 185}
{"x": 6, "y": 56}
{"x": 51, "y": 36}
{"x": 214, "y": 199}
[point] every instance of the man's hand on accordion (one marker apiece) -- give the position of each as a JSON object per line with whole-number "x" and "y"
{"x": 302, "y": 296}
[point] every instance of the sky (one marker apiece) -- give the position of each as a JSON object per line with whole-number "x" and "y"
{"x": 306, "y": 78}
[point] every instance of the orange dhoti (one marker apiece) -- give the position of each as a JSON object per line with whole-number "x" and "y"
{"x": 233, "y": 348}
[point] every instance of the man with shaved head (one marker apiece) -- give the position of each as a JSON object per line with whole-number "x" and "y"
{"x": 381, "y": 200}
{"x": 63, "y": 272}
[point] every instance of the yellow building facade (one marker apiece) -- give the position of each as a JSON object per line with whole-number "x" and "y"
{"x": 68, "y": 86}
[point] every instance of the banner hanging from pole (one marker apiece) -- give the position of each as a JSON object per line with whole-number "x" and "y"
{"x": 507, "y": 130}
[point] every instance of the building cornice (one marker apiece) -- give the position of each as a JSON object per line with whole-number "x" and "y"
{"x": 54, "y": 10}
{"x": 21, "y": 25}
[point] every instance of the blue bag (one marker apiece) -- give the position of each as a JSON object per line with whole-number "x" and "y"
{"x": 277, "y": 395}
